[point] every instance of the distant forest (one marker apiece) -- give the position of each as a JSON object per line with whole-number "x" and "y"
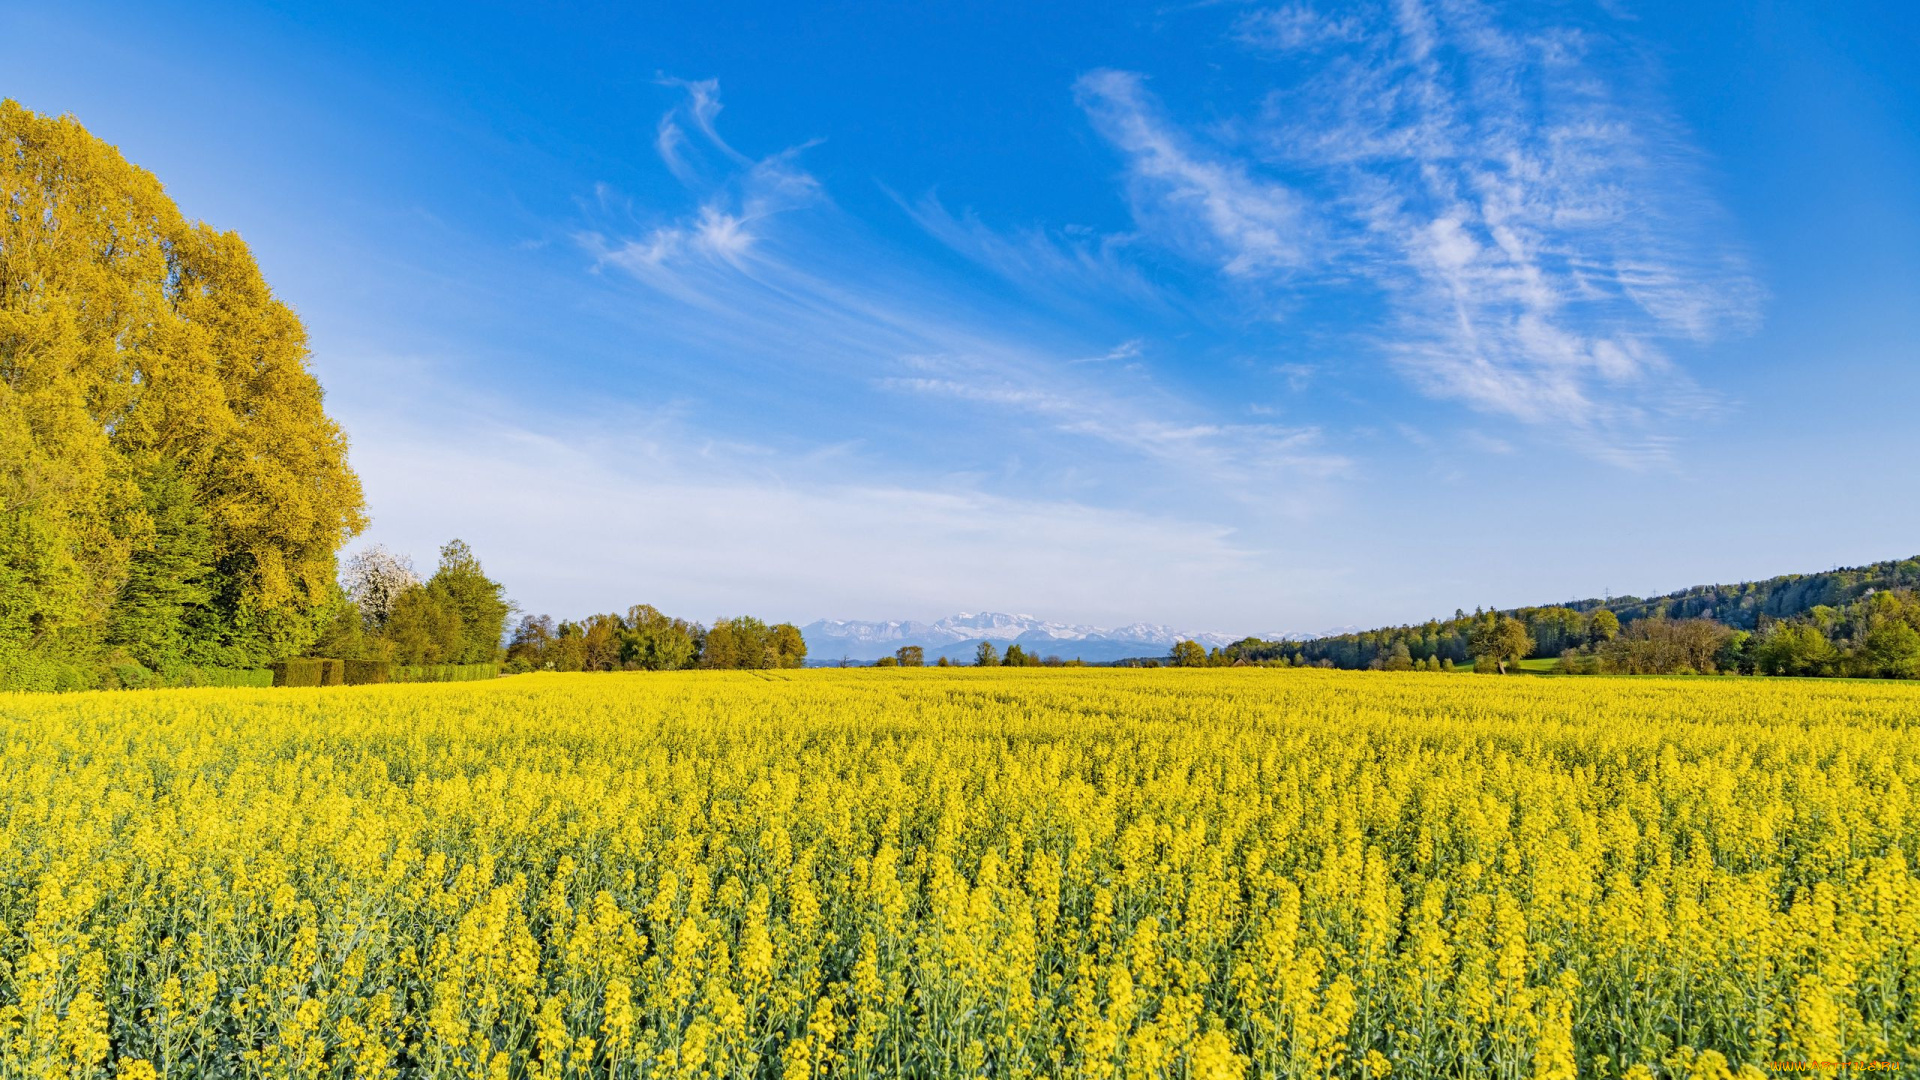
{"x": 644, "y": 639}
{"x": 1856, "y": 621}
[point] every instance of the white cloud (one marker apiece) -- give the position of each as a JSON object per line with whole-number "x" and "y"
{"x": 1239, "y": 458}
{"x": 1535, "y": 219}
{"x": 1295, "y": 26}
{"x": 581, "y": 515}
{"x": 1199, "y": 201}
{"x": 1060, "y": 266}
{"x": 764, "y": 273}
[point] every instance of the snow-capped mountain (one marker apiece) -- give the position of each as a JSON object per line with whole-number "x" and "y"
{"x": 958, "y": 635}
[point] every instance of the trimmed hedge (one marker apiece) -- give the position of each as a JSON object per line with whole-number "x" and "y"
{"x": 220, "y": 676}
{"x": 312, "y": 671}
{"x": 58, "y": 676}
{"x": 298, "y": 671}
{"x": 325, "y": 671}
{"x": 443, "y": 672}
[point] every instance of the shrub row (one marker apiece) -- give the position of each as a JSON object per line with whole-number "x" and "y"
{"x": 320, "y": 671}
{"x": 317, "y": 671}
{"x": 55, "y": 675}
{"x": 444, "y": 672}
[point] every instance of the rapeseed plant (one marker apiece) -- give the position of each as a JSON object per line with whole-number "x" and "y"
{"x": 1192, "y": 875}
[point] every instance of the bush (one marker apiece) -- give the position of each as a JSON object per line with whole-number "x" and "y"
{"x": 366, "y": 672}
{"x": 443, "y": 672}
{"x": 134, "y": 675}
{"x": 333, "y": 673}
{"x": 297, "y": 671}
{"x": 219, "y": 676}
{"x": 49, "y": 675}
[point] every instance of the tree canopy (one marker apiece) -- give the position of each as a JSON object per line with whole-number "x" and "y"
{"x": 169, "y": 482}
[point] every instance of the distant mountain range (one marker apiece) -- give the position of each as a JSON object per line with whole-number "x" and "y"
{"x": 958, "y": 636}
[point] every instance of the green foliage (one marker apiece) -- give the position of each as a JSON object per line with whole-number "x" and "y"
{"x": 443, "y": 672}
{"x": 1892, "y": 649}
{"x": 476, "y": 603}
{"x": 1189, "y": 654}
{"x": 166, "y": 593}
{"x": 1497, "y": 640}
{"x": 1845, "y": 622}
{"x": 170, "y": 486}
{"x": 651, "y": 641}
{"x": 343, "y": 631}
{"x": 236, "y": 676}
{"x": 746, "y": 642}
{"x": 298, "y": 671}
{"x": 911, "y": 656}
{"x": 789, "y": 646}
{"x": 43, "y": 673}
{"x": 985, "y": 655}
{"x": 423, "y": 629}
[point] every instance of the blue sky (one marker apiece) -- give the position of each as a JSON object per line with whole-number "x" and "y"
{"x": 1241, "y": 317}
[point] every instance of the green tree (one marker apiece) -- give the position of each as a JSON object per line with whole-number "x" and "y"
{"x": 911, "y": 656}
{"x": 1602, "y": 626}
{"x": 720, "y": 647}
{"x": 1796, "y": 649}
{"x": 463, "y": 588}
{"x": 568, "y": 651}
{"x": 1189, "y": 654}
{"x": 164, "y": 598}
{"x": 789, "y": 646}
{"x": 1016, "y": 656}
{"x": 424, "y": 630}
{"x": 653, "y": 642}
{"x": 1499, "y": 640}
{"x": 130, "y": 336}
{"x": 343, "y": 634}
{"x": 743, "y": 642}
{"x": 600, "y": 643}
{"x": 985, "y": 655}
{"x": 1893, "y": 650}
{"x": 532, "y": 641}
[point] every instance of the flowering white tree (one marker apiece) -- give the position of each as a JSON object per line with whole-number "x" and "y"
{"x": 375, "y": 578}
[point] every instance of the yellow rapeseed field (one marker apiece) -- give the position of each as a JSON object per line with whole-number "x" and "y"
{"x": 944, "y": 873}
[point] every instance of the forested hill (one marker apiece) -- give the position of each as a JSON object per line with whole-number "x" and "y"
{"x": 1747, "y": 605}
{"x": 1861, "y": 620}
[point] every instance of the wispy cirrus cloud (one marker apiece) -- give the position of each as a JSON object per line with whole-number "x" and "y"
{"x": 1533, "y": 216}
{"x": 1205, "y": 202}
{"x": 1296, "y": 26}
{"x": 1066, "y": 266}
{"x": 1256, "y": 461}
{"x": 764, "y": 269}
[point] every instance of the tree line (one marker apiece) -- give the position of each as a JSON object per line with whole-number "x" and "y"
{"x": 645, "y": 639}
{"x": 985, "y": 654}
{"x": 1857, "y": 621}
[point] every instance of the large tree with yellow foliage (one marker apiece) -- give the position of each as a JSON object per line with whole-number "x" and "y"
{"x": 163, "y": 447}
